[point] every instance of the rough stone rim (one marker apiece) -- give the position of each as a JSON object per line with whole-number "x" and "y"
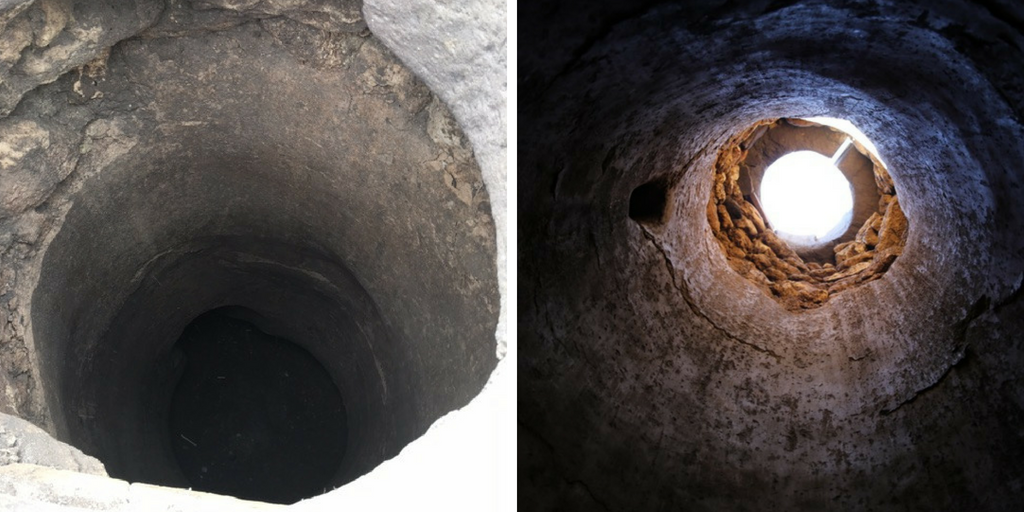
{"x": 801, "y": 279}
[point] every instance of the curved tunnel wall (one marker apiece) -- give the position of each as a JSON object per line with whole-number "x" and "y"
{"x": 654, "y": 376}
{"x": 274, "y": 161}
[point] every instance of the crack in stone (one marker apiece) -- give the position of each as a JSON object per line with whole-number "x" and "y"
{"x": 551, "y": 449}
{"x": 530, "y": 430}
{"x": 962, "y": 357}
{"x": 684, "y": 292}
{"x": 545, "y": 313}
{"x": 597, "y": 250}
{"x": 979, "y": 308}
{"x": 1012, "y": 297}
{"x": 586, "y": 489}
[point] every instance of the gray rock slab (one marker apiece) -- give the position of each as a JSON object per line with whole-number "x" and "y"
{"x": 23, "y": 442}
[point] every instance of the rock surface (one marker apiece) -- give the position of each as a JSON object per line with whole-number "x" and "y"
{"x": 24, "y": 443}
{"x": 653, "y": 376}
{"x": 458, "y": 49}
{"x": 274, "y": 86}
{"x": 41, "y": 40}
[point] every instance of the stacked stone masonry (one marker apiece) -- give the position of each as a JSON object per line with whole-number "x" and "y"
{"x": 756, "y": 252}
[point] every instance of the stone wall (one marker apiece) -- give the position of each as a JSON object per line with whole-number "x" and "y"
{"x": 757, "y": 253}
{"x": 653, "y": 376}
{"x": 88, "y": 90}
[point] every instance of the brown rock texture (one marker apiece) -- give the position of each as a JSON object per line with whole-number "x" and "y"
{"x": 778, "y": 270}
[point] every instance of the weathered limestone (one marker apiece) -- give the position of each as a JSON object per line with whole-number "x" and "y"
{"x": 653, "y": 376}
{"x": 24, "y": 443}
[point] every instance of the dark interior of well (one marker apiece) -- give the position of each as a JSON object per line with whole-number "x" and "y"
{"x": 248, "y": 404}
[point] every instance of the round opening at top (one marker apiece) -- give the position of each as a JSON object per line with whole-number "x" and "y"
{"x": 806, "y": 199}
{"x": 800, "y": 224}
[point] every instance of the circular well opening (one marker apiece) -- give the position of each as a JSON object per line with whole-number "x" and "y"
{"x": 358, "y": 271}
{"x": 806, "y": 198}
{"x": 799, "y": 224}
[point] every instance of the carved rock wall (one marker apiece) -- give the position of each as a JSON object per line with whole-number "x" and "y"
{"x": 653, "y": 376}
{"x": 140, "y": 139}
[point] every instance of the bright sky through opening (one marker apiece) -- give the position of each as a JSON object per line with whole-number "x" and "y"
{"x": 805, "y": 195}
{"x": 851, "y": 130}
